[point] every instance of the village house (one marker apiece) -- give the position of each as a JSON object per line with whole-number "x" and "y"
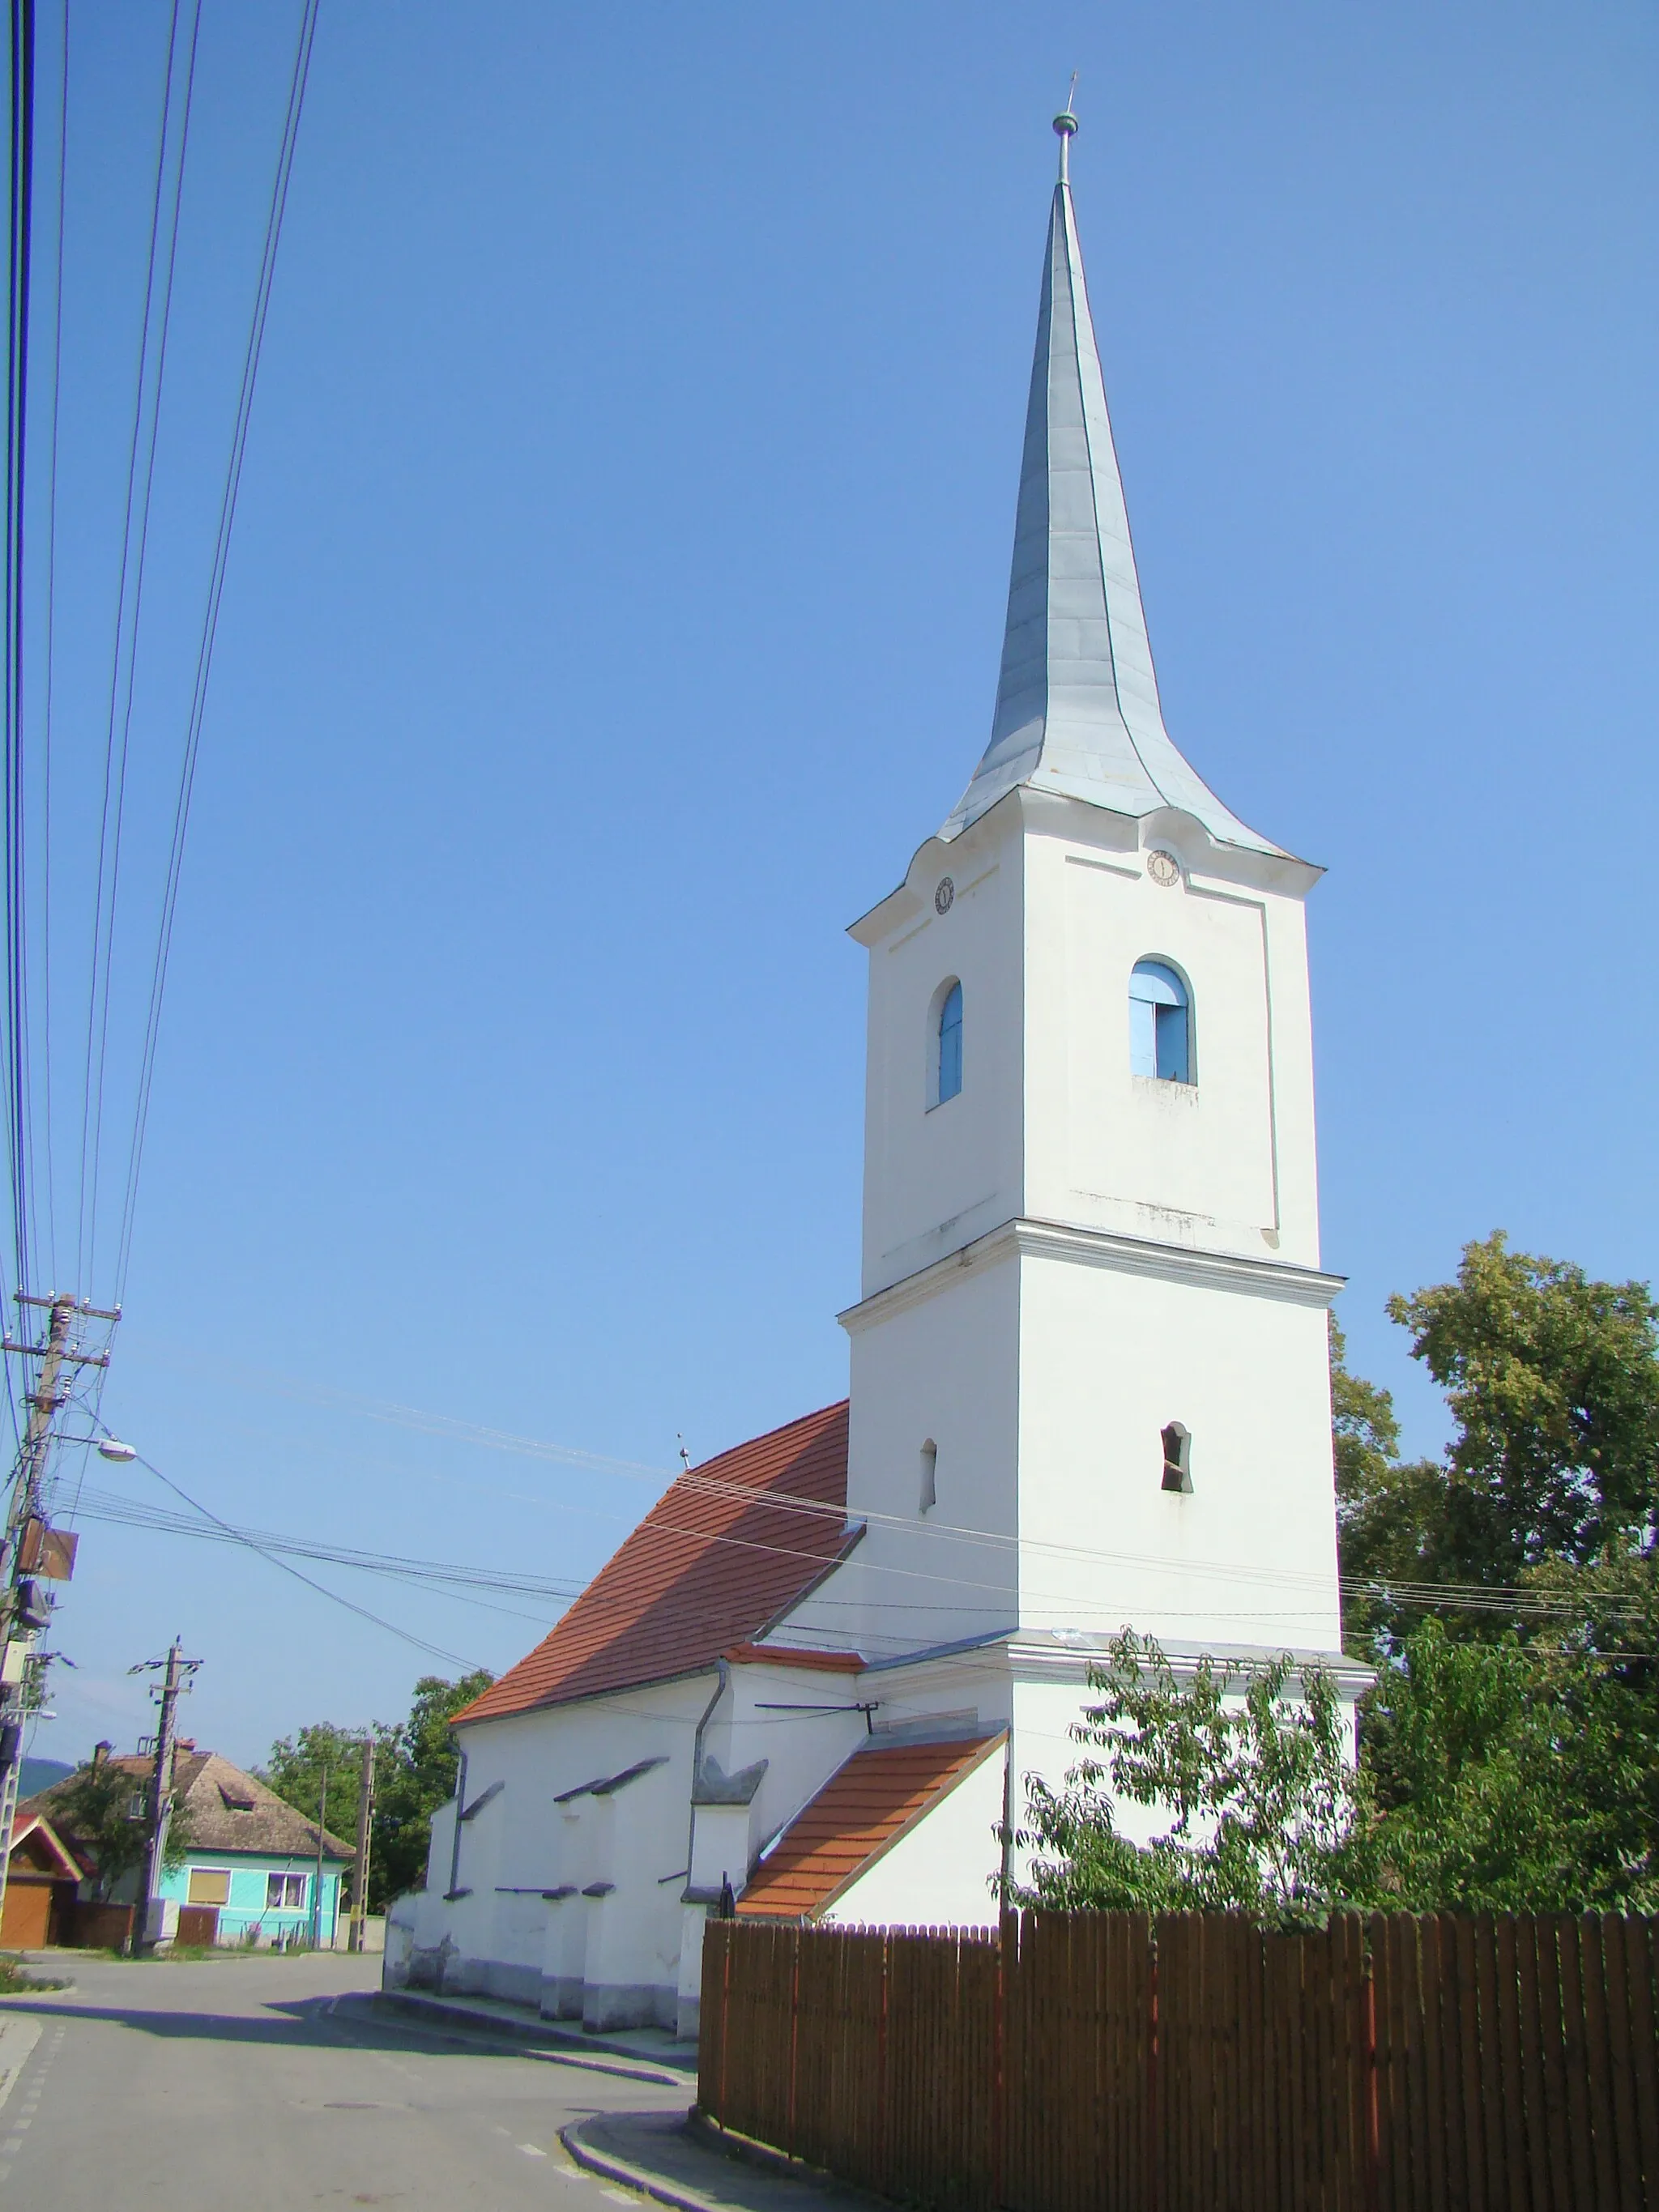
{"x": 247, "y": 1875}
{"x": 1088, "y": 1381}
{"x": 43, "y": 1883}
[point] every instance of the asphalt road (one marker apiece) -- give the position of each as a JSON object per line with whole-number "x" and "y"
{"x": 238, "y": 2085}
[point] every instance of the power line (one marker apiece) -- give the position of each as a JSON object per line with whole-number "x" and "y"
{"x": 141, "y": 477}
{"x": 22, "y": 222}
{"x": 240, "y": 1537}
{"x": 296, "y": 93}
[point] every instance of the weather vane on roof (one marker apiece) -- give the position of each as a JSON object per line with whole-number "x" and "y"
{"x": 1066, "y": 129}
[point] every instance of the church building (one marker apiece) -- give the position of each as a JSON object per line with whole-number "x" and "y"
{"x": 1089, "y": 1385}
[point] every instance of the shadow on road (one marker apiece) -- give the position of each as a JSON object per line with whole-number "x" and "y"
{"x": 318, "y": 2023}
{"x": 305, "y": 2020}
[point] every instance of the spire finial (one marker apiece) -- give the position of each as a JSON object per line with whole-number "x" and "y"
{"x": 1066, "y": 129}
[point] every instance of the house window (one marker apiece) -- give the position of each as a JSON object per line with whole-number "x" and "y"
{"x": 1160, "y": 1023}
{"x": 210, "y": 1885}
{"x": 285, "y": 1892}
{"x": 1177, "y": 1458}
{"x": 946, "y": 1054}
{"x": 929, "y": 1475}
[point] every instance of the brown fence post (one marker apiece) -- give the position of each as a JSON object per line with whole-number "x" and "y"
{"x": 795, "y": 2039}
{"x": 726, "y": 2009}
{"x": 881, "y": 2068}
{"x": 999, "y": 2074}
{"x": 1373, "y": 2130}
{"x": 1154, "y": 2132}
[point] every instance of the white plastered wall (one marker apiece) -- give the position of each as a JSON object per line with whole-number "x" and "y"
{"x": 935, "y": 1178}
{"x": 1109, "y": 1356}
{"x": 1225, "y": 1161}
{"x": 614, "y": 1959}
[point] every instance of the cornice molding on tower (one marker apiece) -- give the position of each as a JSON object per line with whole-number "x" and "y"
{"x": 1100, "y": 1248}
{"x": 1042, "y": 1655}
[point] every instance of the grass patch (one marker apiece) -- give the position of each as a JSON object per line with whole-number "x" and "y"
{"x": 15, "y": 1978}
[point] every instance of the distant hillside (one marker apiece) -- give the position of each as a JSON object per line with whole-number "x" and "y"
{"x": 39, "y": 1774}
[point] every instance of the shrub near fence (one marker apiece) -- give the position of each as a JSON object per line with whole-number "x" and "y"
{"x": 1195, "y": 2064}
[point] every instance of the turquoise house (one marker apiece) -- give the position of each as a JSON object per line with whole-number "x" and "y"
{"x": 250, "y": 1868}
{"x": 250, "y": 1871}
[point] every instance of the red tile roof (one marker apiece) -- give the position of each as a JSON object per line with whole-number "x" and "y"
{"x": 861, "y": 1812}
{"x": 724, "y": 1552}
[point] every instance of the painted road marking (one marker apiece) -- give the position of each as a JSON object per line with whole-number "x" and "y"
{"x": 18, "y": 2037}
{"x": 532, "y": 2150}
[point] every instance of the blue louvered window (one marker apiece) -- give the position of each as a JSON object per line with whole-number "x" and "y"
{"x": 948, "y": 1057}
{"x": 1160, "y": 1023}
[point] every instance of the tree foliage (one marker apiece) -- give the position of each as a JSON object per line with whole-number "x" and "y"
{"x": 415, "y": 1766}
{"x": 1507, "y": 1778}
{"x": 95, "y": 1808}
{"x": 1552, "y": 1382}
{"x": 1256, "y": 1784}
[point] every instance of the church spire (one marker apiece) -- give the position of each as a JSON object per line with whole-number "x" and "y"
{"x": 1077, "y": 707}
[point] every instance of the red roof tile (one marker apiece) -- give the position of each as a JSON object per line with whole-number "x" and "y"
{"x": 860, "y": 1812}
{"x": 715, "y": 1561}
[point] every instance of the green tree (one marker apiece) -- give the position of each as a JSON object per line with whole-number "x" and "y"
{"x": 1250, "y": 1766}
{"x": 298, "y": 1764}
{"x": 95, "y": 1808}
{"x": 1511, "y": 1596}
{"x": 1388, "y": 1513}
{"x": 421, "y": 1779}
{"x": 1509, "y": 1778}
{"x": 415, "y": 1766}
{"x": 1553, "y": 1380}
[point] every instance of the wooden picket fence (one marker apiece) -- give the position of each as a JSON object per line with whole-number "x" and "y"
{"x": 1113, "y": 2063}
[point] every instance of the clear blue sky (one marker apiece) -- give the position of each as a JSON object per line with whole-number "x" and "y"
{"x": 615, "y": 606}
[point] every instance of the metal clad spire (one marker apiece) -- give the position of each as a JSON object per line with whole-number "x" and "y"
{"x": 1077, "y": 709}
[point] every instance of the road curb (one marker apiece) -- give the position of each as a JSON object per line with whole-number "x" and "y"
{"x": 718, "y": 2143}
{"x": 611, "y": 2168}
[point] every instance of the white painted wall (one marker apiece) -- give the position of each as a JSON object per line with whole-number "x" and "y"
{"x": 1091, "y": 1254}
{"x": 1108, "y": 1357}
{"x": 933, "y": 1179}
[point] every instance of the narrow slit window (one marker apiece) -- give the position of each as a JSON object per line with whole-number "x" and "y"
{"x": 1177, "y": 1458}
{"x": 947, "y": 1050}
{"x": 929, "y": 1475}
{"x": 1160, "y": 1023}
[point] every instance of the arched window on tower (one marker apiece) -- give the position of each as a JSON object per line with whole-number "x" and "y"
{"x": 929, "y": 1475}
{"x": 946, "y": 1055}
{"x": 1160, "y": 1023}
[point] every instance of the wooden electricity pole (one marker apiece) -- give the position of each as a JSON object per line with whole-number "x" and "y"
{"x": 358, "y": 1930}
{"x": 178, "y": 1670}
{"x": 316, "y": 1881}
{"x": 23, "y": 1611}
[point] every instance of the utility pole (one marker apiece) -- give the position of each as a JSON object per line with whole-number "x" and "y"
{"x": 358, "y": 1929}
{"x": 174, "y": 1679}
{"x": 24, "y": 1607}
{"x": 317, "y": 1880}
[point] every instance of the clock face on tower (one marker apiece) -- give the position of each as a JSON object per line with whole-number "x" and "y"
{"x": 1163, "y": 868}
{"x": 944, "y": 897}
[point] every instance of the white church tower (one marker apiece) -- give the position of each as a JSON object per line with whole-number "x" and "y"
{"x": 1089, "y": 1367}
